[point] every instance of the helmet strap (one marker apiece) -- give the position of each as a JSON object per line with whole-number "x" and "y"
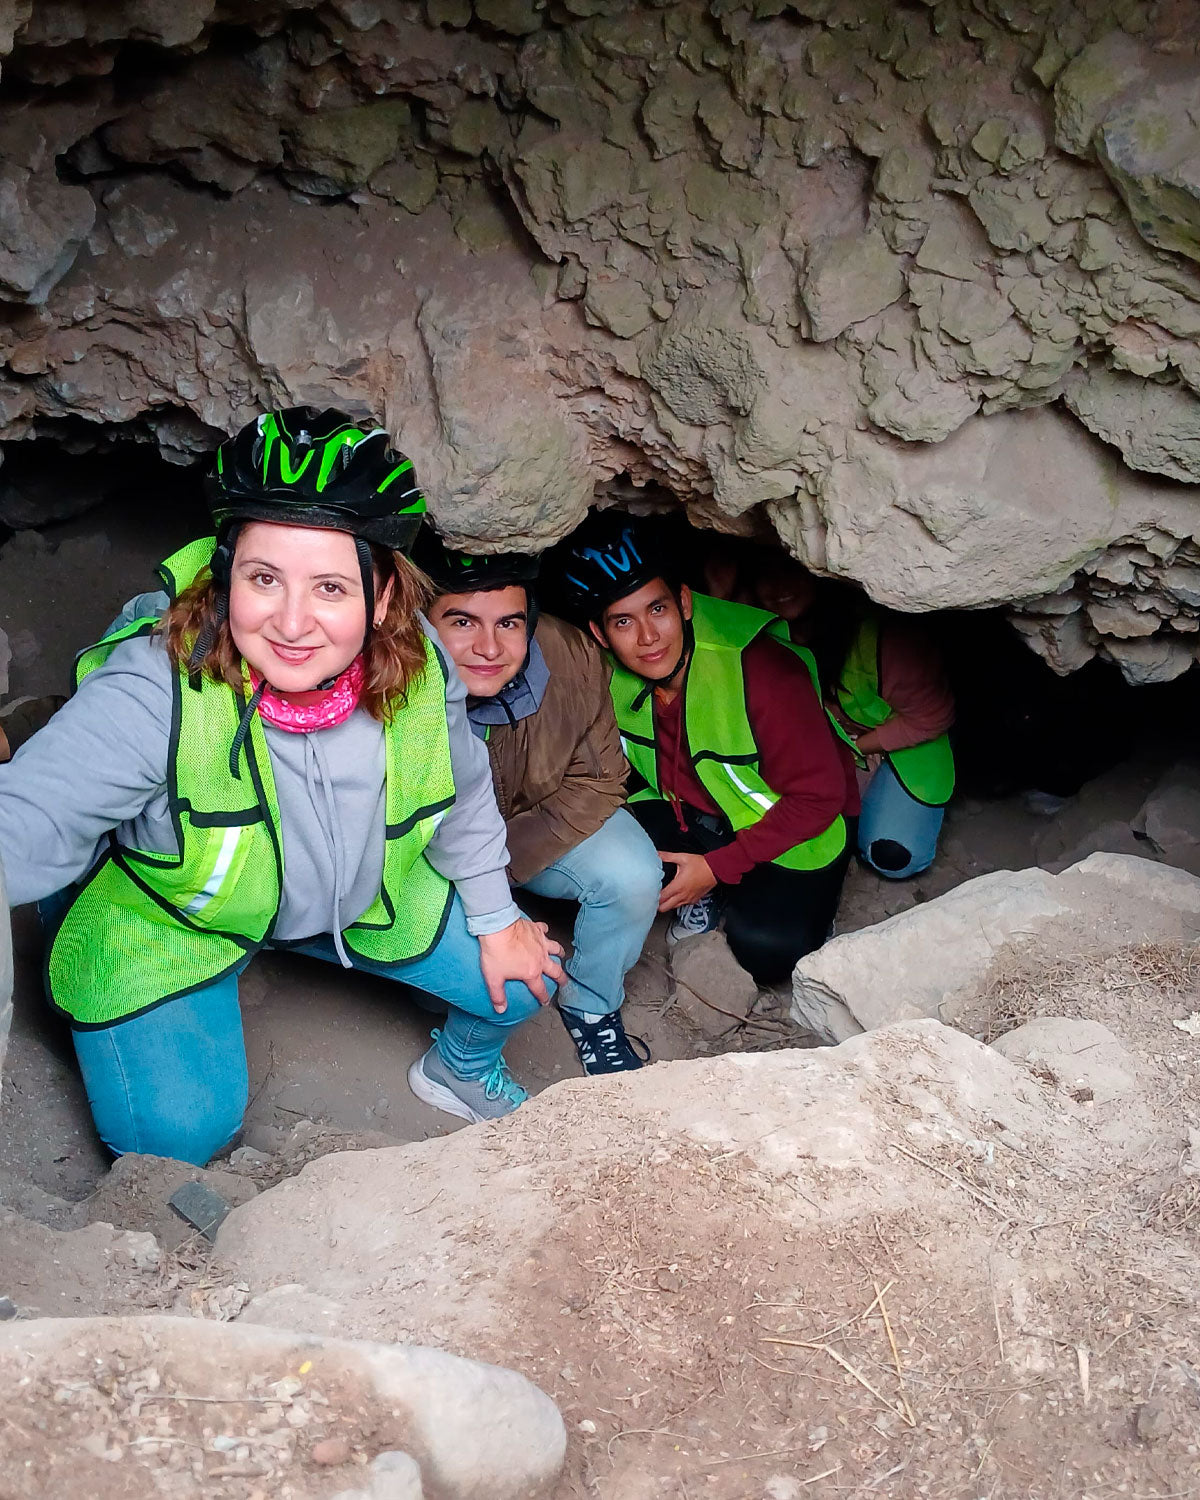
{"x": 221, "y": 568}
{"x": 689, "y": 640}
{"x": 366, "y": 568}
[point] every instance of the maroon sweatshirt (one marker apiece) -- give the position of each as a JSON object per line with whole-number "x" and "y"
{"x": 913, "y": 681}
{"x": 800, "y": 759}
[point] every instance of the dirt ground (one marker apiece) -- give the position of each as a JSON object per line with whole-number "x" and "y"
{"x": 916, "y": 1270}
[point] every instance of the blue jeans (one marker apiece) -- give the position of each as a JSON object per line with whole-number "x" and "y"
{"x": 172, "y": 1081}
{"x": 897, "y": 835}
{"x": 616, "y": 877}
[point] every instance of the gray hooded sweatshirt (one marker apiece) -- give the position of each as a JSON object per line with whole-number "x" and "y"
{"x": 101, "y": 764}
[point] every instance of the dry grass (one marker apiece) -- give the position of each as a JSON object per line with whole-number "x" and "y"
{"x": 1035, "y": 980}
{"x": 1177, "y": 1208}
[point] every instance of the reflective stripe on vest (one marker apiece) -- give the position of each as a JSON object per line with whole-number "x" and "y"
{"x": 926, "y": 772}
{"x": 720, "y": 737}
{"x": 145, "y": 927}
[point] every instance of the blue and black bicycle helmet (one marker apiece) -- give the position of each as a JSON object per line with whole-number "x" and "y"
{"x": 609, "y": 558}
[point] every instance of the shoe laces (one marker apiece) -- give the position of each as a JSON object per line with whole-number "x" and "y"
{"x": 500, "y": 1084}
{"x": 602, "y": 1039}
{"x": 696, "y": 915}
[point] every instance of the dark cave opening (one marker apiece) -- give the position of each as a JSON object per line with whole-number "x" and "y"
{"x": 82, "y": 528}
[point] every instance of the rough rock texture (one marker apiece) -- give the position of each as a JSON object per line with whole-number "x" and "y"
{"x": 6, "y": 975}
{"x": 926, "y": 961}
{"x": 1080, "y": 1056}
{"x": 798, "y": 265}
{"x": 469, "y": 1431}
{"x": 674, "y": 1256}
{"x": 136, "y": 1191}
{"x": 710, "y": 983}
{"x": 1170, "y": 818}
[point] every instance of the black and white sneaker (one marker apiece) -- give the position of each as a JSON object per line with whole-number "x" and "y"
{"x": 694, "y": 918}
{"x": 602, "y": 1044}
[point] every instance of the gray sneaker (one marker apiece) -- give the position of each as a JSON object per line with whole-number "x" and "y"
{"x": 475, "y": 1099}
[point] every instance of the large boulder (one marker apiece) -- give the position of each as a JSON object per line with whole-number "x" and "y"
{"x": 649, "y": 246}
{"x": 926, "y": 961}
{"x": 1170, "y": 817}
{"x": 637, "y": 1245}
{"x": 297, "y": 1412}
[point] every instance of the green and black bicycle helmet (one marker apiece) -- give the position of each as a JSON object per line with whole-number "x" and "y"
{"x": 453, "y": 572}
{"x": 317, "y": 468}
{"x": 302, "y": 466}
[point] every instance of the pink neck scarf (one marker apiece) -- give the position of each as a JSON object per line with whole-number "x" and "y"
{"x": 334, "y": 706}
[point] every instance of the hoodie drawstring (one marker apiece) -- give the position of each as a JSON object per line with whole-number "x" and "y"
{"x": 316, "y": 770}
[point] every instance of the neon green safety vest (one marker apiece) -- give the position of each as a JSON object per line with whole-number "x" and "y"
{"x": 719, "y": 734}
{"x": 147, "y": 927}
{"x": 926, "y": 771}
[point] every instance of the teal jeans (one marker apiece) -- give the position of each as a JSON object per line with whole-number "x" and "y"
{"x": 172, "y": 1081}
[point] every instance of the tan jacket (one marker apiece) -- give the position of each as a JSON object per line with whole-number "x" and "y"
{"x": 560, "y": 773}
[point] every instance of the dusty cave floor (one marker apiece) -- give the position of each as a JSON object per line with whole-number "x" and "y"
{"x": 333, "y": 1048}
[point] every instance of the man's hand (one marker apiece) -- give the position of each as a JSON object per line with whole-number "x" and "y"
{"x": 693, "y": 878}
{"x": 522, "y": 952}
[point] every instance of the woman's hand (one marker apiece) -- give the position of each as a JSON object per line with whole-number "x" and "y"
{"x": 693, "y": 878}
{"x": 867, "y": 743}
{"x": 522, "y": 952}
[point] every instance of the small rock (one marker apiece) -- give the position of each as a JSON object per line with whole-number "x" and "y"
{"x": 669, "y": 1281}
{"x": 395, "y": 1476}
{"x": 136, "y": 1192}
{"x": 1076, "y": 1054}
{"x": 331, "y": 1451}
{"x": 1152, "y": 1422}
{"x": 8, "y": 1309}
{"x": 712, "y": 985}
{"x": 587, "y": 1427}
{"x": 247, "y": 1159}
{"x": 142, "y": 1249}
{"x": 782, "y": 1487}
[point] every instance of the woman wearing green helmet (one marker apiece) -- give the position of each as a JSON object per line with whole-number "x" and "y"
{"x": 283, "y": 758}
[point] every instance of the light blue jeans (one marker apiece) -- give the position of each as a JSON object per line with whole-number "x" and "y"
{"x": 897, "y": 835}
{"x": 172, "y": 1081}
{"x": 616, "y": 877}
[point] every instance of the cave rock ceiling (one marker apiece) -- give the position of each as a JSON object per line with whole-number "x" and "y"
{"x": 917, "y": 285}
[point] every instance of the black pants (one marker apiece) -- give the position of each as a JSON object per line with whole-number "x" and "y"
{"x": 773, "y": 916}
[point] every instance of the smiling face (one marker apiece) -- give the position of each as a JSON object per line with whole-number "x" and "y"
{"x": 785, "y": 587}
{"x": 296, "y": 607}
{"x": 486, "y": 634}
{"x": 644, "y": 631}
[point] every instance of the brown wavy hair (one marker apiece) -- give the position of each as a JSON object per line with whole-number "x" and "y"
{"x": 393, "y": 662}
